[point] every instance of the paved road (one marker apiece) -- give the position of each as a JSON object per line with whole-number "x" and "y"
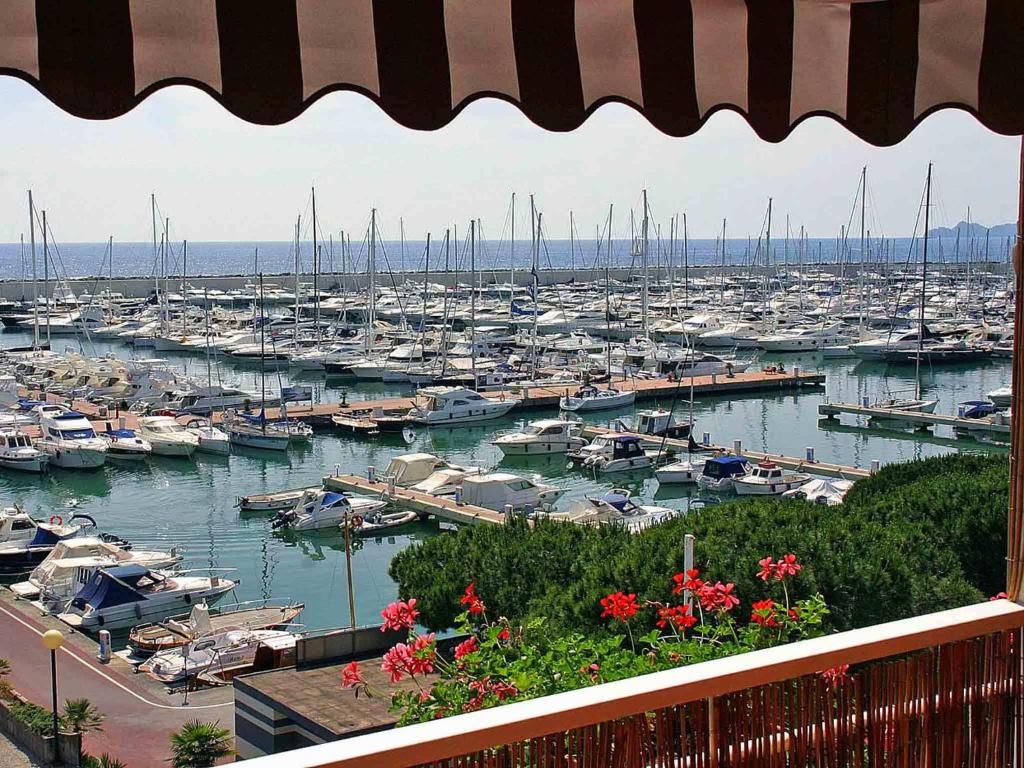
{"x": 138, "y": 721}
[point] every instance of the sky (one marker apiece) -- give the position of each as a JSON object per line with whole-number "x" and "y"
{"x": 219, "y": 178}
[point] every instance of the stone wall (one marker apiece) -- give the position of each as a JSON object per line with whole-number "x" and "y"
{"x": 40, "y": 747}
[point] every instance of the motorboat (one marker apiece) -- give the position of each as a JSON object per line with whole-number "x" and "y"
{"x": 127, "y": 595}
{"x": 446, "y": 481}
{"x": 411, "y": 468}
{"x": 126, "y": 444}
{"x": 541, "y": 438}
{"x": 821, "y": 491}
{"x": 211, "y": 439}
{"x": 1001, "y": 397}
{"x": 382, "y": 521}
{"x": 70, "y": 441}
{"x": 319, "y": 509}
{"x": 804, "y": 339}
{"x": 201, "y": 621}
{"x": 16, "y": 525}
{"x": 975, "y": 409}
{"x": 498, "y": 490}
{"x": 680, "y": 472}
{"x": 719, "y": 472}
{"x": 22, "y": 555}
{"x": 18, "y": 452}
{"x": 73, "y": 562}
{"x": 442, "y": 406}
{"x": 270, "y": 502}
{"x": 167, "y": 436}
{"x": 627, "y": 453}
{"x": 658, "y": 423}
{"x": 768, "y": 479}
{"x": 225, "y": 650}
{"x": 588, "y": 399}
{"x": 614, "y": 508}
{"x": 877, "y": 349}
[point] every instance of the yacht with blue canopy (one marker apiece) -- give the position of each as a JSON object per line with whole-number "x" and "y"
{"x": 720, "y": 472}
{"x": 127, "y": 595}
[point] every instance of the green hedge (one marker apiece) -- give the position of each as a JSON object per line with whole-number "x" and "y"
{"x": 917, "y": 537}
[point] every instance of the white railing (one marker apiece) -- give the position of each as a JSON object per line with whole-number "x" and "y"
{"x": 465, "y": 734}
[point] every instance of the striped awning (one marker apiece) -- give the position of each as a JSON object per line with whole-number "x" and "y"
{"x": 877, "y": 66}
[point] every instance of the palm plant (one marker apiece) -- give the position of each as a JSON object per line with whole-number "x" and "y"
{"x": 81, "y": 716}
{"x": 199, "y": 744}
{"x": 103, "y": 761}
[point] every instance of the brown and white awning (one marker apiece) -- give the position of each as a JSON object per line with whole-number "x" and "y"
{"x": 878, "y": 66}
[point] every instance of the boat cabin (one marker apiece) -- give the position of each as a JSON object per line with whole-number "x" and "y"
{"x": 722, "y": 467}
{"x": 15, "y": 525}
{"x": 413, "y": 468}
{"x": 627, "y": 447}
{"x": 15, "y": 440}
{"x": 660, "y": 423}
{"x": 124, "y": 584}
{"x": 499, "y": 489}
{"x": 767, "y": 471}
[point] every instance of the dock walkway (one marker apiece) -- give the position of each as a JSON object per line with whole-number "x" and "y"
{"x": 922, "y": 420}
{"x": 786, "y": 462}
{"x": 444, "y": 508}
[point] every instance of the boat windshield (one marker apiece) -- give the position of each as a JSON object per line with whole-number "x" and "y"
{"x": 75, "y": 434}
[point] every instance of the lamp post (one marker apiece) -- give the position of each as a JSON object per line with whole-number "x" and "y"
{"x": 53, "y": 639}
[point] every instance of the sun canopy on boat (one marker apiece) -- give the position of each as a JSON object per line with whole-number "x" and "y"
{"x": 119, "y": 433}
{"x": 877, "y": 66}
{"x": 112, "y": 586}
{"x": 46, "y": 536}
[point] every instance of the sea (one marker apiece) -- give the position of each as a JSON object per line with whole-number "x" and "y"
{"x": 139, "y": 259}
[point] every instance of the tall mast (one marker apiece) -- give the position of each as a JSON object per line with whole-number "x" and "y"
{"x": 924, "y": 281}
{"x": 472, "y": 298}
{"x": 316, "y": 274}
{"x": 607, "y": 303}
{"x": 263, "y": 362}
{"x": 643, "y": 302}
{"x": 534, "y": 222}
{"x": 860, "y": 272}
{"x": 572, "y": 246}
{"x": 686, "y": 267}
{"x": 46, "y": 276}
{"x": 298, "y": 230}
{"x": 35, "y": 275}
{"x": 184, "y": 269}
{"x": 372, "y": 308}
{"x": 512, "y": 259}
{"x": 156, "y": 253}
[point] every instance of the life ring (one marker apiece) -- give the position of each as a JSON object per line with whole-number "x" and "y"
{"x": 357, "y": 521}
{"x": 56, "y": 520}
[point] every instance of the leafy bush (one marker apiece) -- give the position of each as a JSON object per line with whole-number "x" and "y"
{"x": 35, "y": 717}
{"x": 917, "y": 537}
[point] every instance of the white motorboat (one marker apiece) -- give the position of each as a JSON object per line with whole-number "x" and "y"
{"x": 211, "y": 439}
{"x": 167, "y": 436}
{"x": 822, "y": 491}
{"x": 206, "y": 400}
{"x": 125, "y": 444}
{"x": 445, "y": 481}
{"x": 803, "y": 339}
{"x": 614, "y": 508}
{"x": 16, "y": 525}
{"x": 588, "y": 399}
{"x": 70, "y": 441}
{"x": 443, "y": 406}
{"x": 121, "y": 597}
{"x": 255, "y": 432}
{"x": 730, "y": 336}
{"x": 680, "y": 472}
{"x": 768, "y": 479}
{"x": 319, "y": 509}
{"x": 627, "y": 453}
{"x": 877, "y": 349}
{"x": 269, "y": 502}
{"x": 227, "y": 650}
{"x": 720, "y": 472}
{"x": 498, "y": 490}
{"x": 18, "y": 452}
{"x": 73, "y": 562}
{"x": 542, "y": 437}
{"x": 411, "y": 468}
{"x": 21, "y": 555}
{"x": 1001, "y": 397}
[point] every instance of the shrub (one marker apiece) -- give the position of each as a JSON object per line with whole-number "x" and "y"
{"x": 917, "y": 537}
{"x": 35, "y": 717}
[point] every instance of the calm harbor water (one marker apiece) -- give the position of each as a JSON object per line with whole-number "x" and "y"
{"x": 190, "y": 503}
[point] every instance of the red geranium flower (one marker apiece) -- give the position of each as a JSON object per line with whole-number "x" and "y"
{"x": 467, "y": 647}
{"x": 504, "y": 634}
{"x": 999, "y": 596}
{"x": 678, "y": 616}
{"x": 473, "y": 603}
{"x": 351, "y": 676}
{"x": 787, "y": 566}
{"x": 763, "y": 613}
{"x": 717, "y": 597}
{"x": 423, "y": 654}
{"x": 397, "y": 662}
{"x": 836, "y": 674}
{"x": 767, "y": 569}
{"x": 399, "y": 615}
{"x": 619, "y": 606}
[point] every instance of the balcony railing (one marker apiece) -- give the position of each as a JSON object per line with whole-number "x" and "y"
{"x": 941, "y": 689}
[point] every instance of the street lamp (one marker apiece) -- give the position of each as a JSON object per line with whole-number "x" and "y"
{"x": 54, "y": 639}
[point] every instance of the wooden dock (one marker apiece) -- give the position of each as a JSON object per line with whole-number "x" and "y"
{"x": 444, "y": 508}
{"x": 786, "y": 462}
{"x": 921, "y": 420}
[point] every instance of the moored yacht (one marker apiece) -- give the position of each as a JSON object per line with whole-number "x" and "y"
{"x": 542, "y": 437}
{"x": 441, "y": 406}
{"x": 18, "y": 452}
{"x": 70, "y": 441}
{"x": 319, "y": 509}
{"x": 768, "y": 479}
{"x": 167, "y": 436}
{"x": 125, "y": 444}
{"x": 588, "y": 399}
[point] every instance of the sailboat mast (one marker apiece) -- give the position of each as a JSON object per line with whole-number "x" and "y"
{"x": 35, "y": 275}
{"x": 686, "y": 266}
{"x": 263, "y": 362}
{"x": 316, "y": 274}
{"x": 371, "y": 309}
{"x": 924, "y": 282}
{"x": 298, "y": 229}
{"x": 184, "y": 270}
{"x": 643, "y": 302}
{"x": 156, "y": 253}
{"x": 46, "y": 277}
{"x": 472, "y": 298}
{"x": 860, "y": 272}
{"x": 533, "y": 270}
{"x": 607, "y": 301}
{"x": 512, "y": 259}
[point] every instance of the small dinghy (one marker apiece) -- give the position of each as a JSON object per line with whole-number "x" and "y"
{"x": 382, "y": 521}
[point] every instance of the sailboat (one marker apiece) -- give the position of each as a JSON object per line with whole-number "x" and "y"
{"x": 255, "y": 431}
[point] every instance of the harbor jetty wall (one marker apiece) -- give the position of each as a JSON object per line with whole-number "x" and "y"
{"x": 138, "y": 287}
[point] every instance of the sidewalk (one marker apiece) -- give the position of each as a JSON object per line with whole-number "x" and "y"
{"x": 12, "y": 757}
